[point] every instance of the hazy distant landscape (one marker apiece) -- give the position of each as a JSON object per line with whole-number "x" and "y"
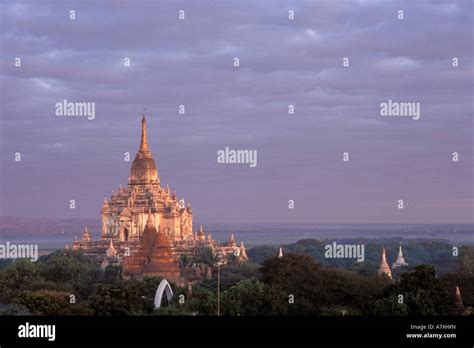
{"x": 52, "y": 234}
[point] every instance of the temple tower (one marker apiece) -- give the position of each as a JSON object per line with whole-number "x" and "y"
{"x": 144, "y": 171}
{"x": 384, "y": 268}
{"x": 242, "y": 252}
{"x": 400, "y": 262}
{"x": 125, "y": 215}
{"x": 458, "y": 307}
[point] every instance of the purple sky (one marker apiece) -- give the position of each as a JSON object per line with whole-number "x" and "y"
{"x": 283, "y": 62}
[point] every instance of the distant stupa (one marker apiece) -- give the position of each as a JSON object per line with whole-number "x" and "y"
{"x": 384, "y": 268}
{"x": 111, "y": 251}
{"x": 280, "y": 254}
{"x": 458, "y": 307}
{"x": 400, "y": 262}
{"x": 242, "y": 252}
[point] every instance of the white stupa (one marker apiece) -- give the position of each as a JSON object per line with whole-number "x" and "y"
{"x": 111, "y": 251}
{"x": 400, "y": 262}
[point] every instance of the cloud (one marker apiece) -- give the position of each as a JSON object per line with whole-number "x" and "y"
{"x": 283, "y": 62}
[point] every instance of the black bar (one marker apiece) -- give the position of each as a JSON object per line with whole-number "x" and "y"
{"x": 163, "y": 331}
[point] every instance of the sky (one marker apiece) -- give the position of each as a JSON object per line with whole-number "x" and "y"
{"x": 283, "y": 62}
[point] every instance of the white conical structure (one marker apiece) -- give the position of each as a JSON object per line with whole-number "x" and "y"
{"x": 280, "y": 254}
{"x": 400, "y": 262}
{"x": 111, "y": 252}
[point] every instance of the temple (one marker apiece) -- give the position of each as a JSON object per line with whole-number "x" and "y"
{"x": 400, "y": 262}
{"x": 154, "y": 257}
{"x": 458, "y": 307}
{"x": 148, "y": 231}
{"x": 384, "y": 268}
{"x": 126, "y": 215}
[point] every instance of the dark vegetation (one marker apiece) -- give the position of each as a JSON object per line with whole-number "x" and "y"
{"x": 302, "y": 282}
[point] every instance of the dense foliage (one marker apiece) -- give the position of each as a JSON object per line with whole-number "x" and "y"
{"x": 68, "y": 283}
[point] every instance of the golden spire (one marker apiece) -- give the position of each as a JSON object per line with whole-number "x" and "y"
{"x": 458, "y": 296}
{"x": 143, "y": 169}
{"x": 111, "y": 252}
{"x": 458, "y": 307}
{"x": 384, "y": 268}
{"x": 143, "y": 143}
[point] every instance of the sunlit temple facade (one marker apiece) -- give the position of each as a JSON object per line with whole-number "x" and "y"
{"x": 145, "y": 206}
{"x": 125, "y": 216}
{"x": 384, "y": 268}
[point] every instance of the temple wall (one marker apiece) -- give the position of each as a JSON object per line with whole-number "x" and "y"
{"x": 136, "y": 225}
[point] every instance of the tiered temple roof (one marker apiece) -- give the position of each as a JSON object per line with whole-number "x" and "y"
{"x": 154, "y": 257}
{"x": 147, "y": 229}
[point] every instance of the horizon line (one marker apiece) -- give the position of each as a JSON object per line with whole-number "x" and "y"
{"x": 260, "y": 223}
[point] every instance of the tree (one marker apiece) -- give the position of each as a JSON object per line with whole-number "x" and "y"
{"x": 19, "y": 275}
{"x": 185, "y": 260}
{"x": 172, "y": 309}
{"x": 290, "y": 284}
{"x": 259, "y": 254}
{"x": 71, "y": 267}
{"x": 14, "y": 309}
{"x": 466, "y": 259}
{"x": 127, "y": 297}
{"x": 465, "y": 281}
{"x": 420, "y": 292}
{"x": 244, "y": 298}
{"x": 390, "y": 305}
{"x": 232, "y": 274}
{"x": 339, "y": 289}
{"x": 50, "y": 302}
{"x": 203, "y": 302}
{"x": 288, "y": 271}
{"x": 207, "y": 256}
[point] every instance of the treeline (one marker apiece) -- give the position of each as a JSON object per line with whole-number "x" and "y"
{"x": 437, "y": 253}
{"x": 68, "y": 283}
